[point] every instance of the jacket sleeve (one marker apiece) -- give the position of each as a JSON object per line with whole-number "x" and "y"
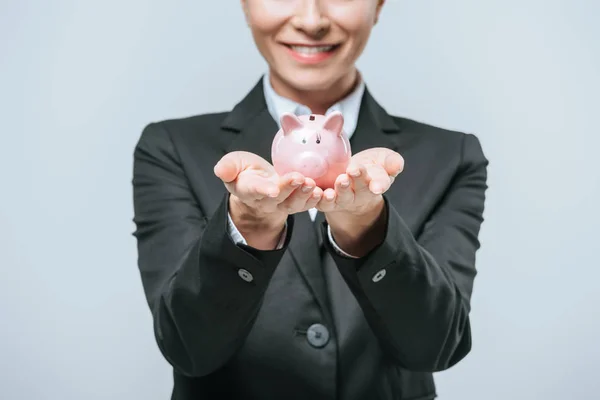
{"x": 415, "y": 292}
{"x": 203, "y": 290}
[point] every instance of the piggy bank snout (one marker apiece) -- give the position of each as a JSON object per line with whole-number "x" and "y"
{"x": 312, "y": 165}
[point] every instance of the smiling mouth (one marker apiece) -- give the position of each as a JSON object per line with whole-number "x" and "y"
{"x": 309, "y": 50}
{"x": 311, "y": 54}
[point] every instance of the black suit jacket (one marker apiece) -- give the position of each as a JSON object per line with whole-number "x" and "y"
{"x": 230, "y": 338}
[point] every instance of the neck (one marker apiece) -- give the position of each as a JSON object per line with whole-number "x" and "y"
{"x": 319, "y": 101}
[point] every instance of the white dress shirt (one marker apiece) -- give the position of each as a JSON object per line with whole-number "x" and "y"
{"x": 277, "y": 105}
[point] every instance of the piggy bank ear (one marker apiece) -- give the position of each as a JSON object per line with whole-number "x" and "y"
{"x": 334, "y": 122}
{"x": 289, "y": 122}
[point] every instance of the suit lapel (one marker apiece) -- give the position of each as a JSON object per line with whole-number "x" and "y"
{"x": 252, "y": 124}
{"x": 375, "y": 128}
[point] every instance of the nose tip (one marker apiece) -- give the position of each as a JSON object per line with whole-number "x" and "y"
{"x": 311, "y": 20}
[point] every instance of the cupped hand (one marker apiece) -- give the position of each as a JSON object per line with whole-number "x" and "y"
{"x": 258, "y": 190}
{"x": 370, "y": 173}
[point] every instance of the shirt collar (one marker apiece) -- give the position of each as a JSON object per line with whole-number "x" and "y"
{"x": 348, "y": 106}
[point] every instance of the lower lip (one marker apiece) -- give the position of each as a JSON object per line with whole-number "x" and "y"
{"x": 313, "y": 58}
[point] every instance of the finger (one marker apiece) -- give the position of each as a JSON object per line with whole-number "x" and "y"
{"x": 344, "y": 191}
{"x": 360, "y": 177}
{"x": 288, "y": 184}
{"x": 296, "y": 202}
{"x": 379, "y": 179}
{"x": 227, "y": 169}
{"x": 314, "y": 198}
{"x": 327, "y": 202}
{"x": 393, "y": 164}
{"x": 232, "y": 164}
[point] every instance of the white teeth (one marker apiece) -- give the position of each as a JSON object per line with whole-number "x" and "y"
{"x": 311, "y": 50}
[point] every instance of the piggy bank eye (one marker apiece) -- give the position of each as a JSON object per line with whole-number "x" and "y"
{"x": 318, "y": 138}
{"x": 303, "y": 140}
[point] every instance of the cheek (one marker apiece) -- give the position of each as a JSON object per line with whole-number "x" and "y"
{"x": 355, "y": 20}
{"x": 267, "y": 16}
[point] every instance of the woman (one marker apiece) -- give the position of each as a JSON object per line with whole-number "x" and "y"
{"x": 251, "y": 299}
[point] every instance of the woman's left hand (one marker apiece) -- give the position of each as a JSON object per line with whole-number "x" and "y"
{"x": 369, "y": 174}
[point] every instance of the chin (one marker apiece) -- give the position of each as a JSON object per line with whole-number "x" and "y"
{"x": 313, "y": 80}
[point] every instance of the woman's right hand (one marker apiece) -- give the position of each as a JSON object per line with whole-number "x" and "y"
{"x": 261, "y": 200}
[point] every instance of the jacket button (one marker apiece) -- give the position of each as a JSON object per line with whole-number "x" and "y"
{"x": 379, "y": 275}
{"x": 245, "y": 275}
{"x": 317, "y": 335}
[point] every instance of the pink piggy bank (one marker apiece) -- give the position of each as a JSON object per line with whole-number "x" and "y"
{"x": 313, "y": 145}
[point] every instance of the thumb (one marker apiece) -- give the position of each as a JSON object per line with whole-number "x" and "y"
{"x": 393, "y": 164}
{"x": 228, "y": 167}
{"x": 232, "y": 164}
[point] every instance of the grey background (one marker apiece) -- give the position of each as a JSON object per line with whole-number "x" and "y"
{"x": 80, "y": 79}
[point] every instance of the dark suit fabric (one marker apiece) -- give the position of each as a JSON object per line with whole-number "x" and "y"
{"x": 227, "y": 338}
